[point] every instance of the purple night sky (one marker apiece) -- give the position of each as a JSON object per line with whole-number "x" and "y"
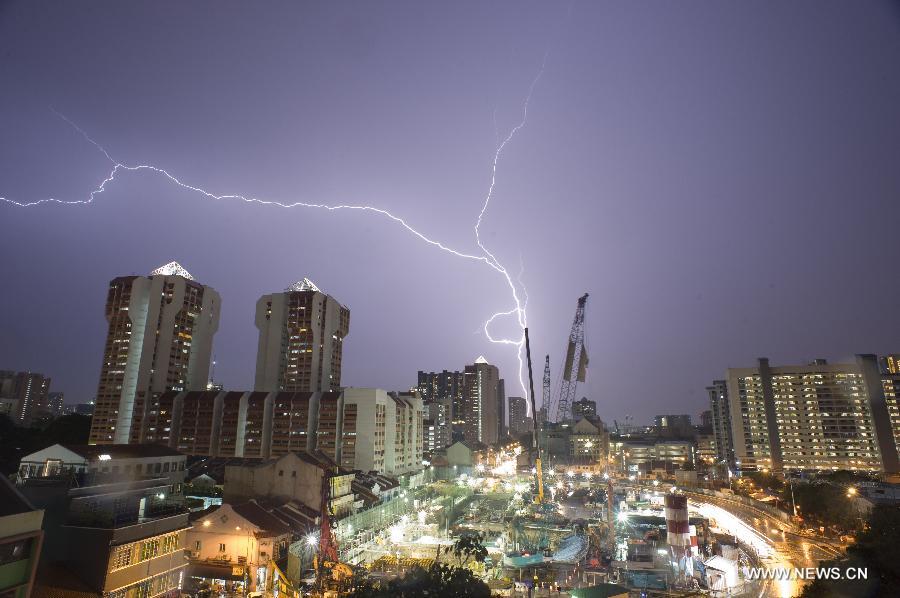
{"x": 720, "y": 177}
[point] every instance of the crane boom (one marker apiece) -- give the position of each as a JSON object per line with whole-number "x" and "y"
{"x": 575, "y": 368}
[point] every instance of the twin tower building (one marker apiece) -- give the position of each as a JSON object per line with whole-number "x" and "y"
{"x": 158, "y": 354}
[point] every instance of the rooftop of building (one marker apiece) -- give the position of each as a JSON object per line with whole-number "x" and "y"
{"x": 472, "y": 446}
{"x": 55, "y": 580}
{"x": 371, "y": 479}
{"x": 214, "y": 467}
{"x": 292, "y": 513}
{"x": 172, "y": 269}
{"x": 253, "y": 512}
{"x": 303, "y": 285}
{"x": 122, "y": 451}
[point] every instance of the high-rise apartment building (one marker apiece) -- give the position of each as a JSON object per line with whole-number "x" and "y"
{"x": 301, "y": 337}
{"x": 365, "y": 419}
{"x": 584, "y": 408}
{"x": 721, "y": 420}
{"x": 55, "y": 404}
{"x": 674, "y": 426}
{"x": 817, "y": 417}
{"x": 480, "y": 404}
{"x": 407, "y": 431}
{"x": 518, "y": 412}
{"x": 501, "y": 409}
{"x": 26, "y": 393}
{"x": 434, "y": 386}
{"x": 890, "y": 364}
{"x": 160, "y": 337}
{"x": 381, "y": 432}
{"x": 439, "y": 426}
{"x": 442, "y": 394}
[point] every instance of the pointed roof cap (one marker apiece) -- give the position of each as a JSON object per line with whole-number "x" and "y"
{"x": 172, "y": 269}
{"x": 481, "y": 359}
{"x": 304, "y": 285}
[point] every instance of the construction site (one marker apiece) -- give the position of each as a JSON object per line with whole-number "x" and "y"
{"x": 551, "y": 521}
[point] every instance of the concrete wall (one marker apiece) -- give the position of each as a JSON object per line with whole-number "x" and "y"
{"x": 289, "y": 478}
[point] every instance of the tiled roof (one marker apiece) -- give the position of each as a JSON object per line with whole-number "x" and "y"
{"x": 54, "y": 580}
{"x": 258, "y": 516}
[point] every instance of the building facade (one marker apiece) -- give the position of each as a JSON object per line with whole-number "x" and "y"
{"x": 25, "y": 394}
{"x": 584, "y": 408}
{"x": 588, "y": 444}
{"x": 93, "y": 464}
{"x": 382, "y": 432}
{"x": 20, "y": 542}
{"x": 442, "y": 394}
{"x": 720, "y": 413}
{"x": 243, "y": 535}
{"x": 160, "y": 337}
{"x": 677, "y": 426}
{"x": 301, "y": 336}
{"x": 480, "y": 406}
{"x": 815, "y": 417}
{"x": 119, "y": 539}
{"x": 434, "y": 386}
{"x": 438, "y": 424}
{"x": 502, "y": 428}
{"x": 297, "y": 476}
{"x": 705, "y": 445}
{"x": 646, "y": 455}
{"x": 518, "y": 412}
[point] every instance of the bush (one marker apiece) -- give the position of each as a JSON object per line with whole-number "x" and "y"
{"x": 437, "y": 581}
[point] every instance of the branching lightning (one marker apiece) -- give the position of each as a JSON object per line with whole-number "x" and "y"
{"x": 486, "y": 257}
{"x": 520, "y": 308}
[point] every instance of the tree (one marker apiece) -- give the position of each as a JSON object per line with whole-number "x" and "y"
{"x": 766, "y": 481}
{"x": 467, "y": 547}
{"x": 876, "y": 550}
{"x": 825, "y": 503}
{"x": 437, "y": 581}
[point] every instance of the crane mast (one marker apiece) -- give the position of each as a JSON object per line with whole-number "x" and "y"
{"x": 535, "y": 435}
{"x": 575, "y": 368}
{"x": 545, "y": 397}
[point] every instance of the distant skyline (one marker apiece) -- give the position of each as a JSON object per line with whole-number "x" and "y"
{"x": 720, "y": 179}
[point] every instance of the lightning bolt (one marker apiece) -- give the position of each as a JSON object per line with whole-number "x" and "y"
{"x": 520, "y": 309}
{"x": 486, "y": 257}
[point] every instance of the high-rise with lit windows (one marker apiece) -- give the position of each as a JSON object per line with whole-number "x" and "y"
{"x": 518, "y": 412}
{"x": 301, "y": 340}
{"x": 721, "y": 420}
{"x": 26, "y": 394}
{"x": 816, "y": 417}
{"x": 160, "y": 338}
{"x": 481, "y": 402}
